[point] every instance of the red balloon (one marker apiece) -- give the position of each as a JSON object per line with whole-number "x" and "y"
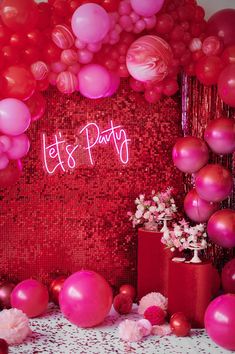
{"x": 4, "y": 35}
{"x": 10, "y": 174}
{"x": 3, "y": 346}
{"x": 170, "y": 87}
{"x": 122, "y": 303}
{"x": 220, "y": 135}
{"x": 5, "y": 295}
{"x": 55, "y": 288}
{"x": 10, "y": 55}
{"x": 30, "y": 55}
{"x": 221, "y": 228}
{"x": 44, "y": 15}
{"x": 208, "y": 69}
{"x": 228, "y": 55}
{"x": 226, "y": 85}
{"x": 128, "y": 289}
{"x": 152, "y": 96}
{"x": 198, "y": 209}
{"x": 35, "y": 38}
{"x": 190, "y": 154}
{"x": 180, "y": 325}
{"x": 222, "y": 24}
{"x": 51, "y": 53}
{"x": 19, "y": 82}
{"x": 214, "y": 183}
{"x": 110, "y": 5}
{"x": 17, "y": 40}
{"x": 37, "y": 105}
{"x": 19, "y": 15}
{"x": 228, "y": 277}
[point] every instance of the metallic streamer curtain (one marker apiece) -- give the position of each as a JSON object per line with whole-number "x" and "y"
{"x": 200, "y": 105}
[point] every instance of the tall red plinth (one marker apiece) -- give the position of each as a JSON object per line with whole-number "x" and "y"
{"x": 153, "y": 263}
{"x": 190, "y": 290}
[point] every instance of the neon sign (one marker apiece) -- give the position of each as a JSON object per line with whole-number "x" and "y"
{"x": 59, "y": 154}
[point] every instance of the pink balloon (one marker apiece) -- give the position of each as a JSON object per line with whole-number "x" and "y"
{"x": 14, "y": 116}
{"x": 19, "y": 147}
{"x": 220, "y": 321}
{"x": 85, "y": 298}
{"x": 75, "y": 68}
{"x": 198, "y": 209}
{"x": 190, "y": 154}
{"x": 94, "y": 81}
{"x": 57, "y": 67}
{"x": 40, "y": 70}
{"x": 150, "y": 22}
{"x": 85, "y": 56}
{"x": 220, "y": 135}
{"x": 4, "y": 161}
{"x": 147, "y": 8}
{"x": 214, "y": 183}
{"x": 62, "y": 37}
{"x": 226, "y": 85}
{"x": 67, "y": 82}
{"x": 31, "y": 297}
{"x": 90, "y": 23}
{"x": 69, "y": 57}
{"x": 115, "y": 82}
{"x": 228, "y": 277}
{"x": 149, "y": 58}
{"x": 5, "y": 142}
{"x": 222, "y": 24}
{"x": 94, "y": 47}
{"x": 221, "y": 228}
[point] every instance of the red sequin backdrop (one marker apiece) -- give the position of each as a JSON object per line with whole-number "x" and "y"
{"x": 65, "y": 222}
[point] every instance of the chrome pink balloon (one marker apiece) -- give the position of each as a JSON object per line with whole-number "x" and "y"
{"x": 85, "y": 298}
{"x": 221, "y": 228}
{"x": 198, "y": 209}
{"x": 147, "y": 8}
{"x": 149, "y": 59}
{"x": 190, "y": 154}
{"x": 31, "y": 297}
{"x": 220, "y": 321}
{"x": 214, "y": 183}
{"x": 19, "y": 147}
{"x": 220, "y": 135}
{"x": 62, "y": 37}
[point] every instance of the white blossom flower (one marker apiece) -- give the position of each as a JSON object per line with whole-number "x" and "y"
{"x": 146, "y": 215}
{"x": 140, "y": 207}
{"x": 138, "y": 214}
{"x": 152, "y": 209}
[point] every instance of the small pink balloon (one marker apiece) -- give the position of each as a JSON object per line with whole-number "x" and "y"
{"x": 139, "y": 26}
{"x": 5, "y": 142}
{"x": 214, "y": 183}
{"x": 62, "y": 37}
{"x": 150, "y": 22}
{"x": 221, "y": 228}
{"x": 198, "y": 209}
{"x": 115, "y": 82}
{"x": 228, "y": 277}
{"x": 212, "y": 46}
{"x": 39, "y": 70}
{"x": 80, "y": 44}
{"x": 125, "y": 21}
{"x": 220, "y": 321}
{"x": 67, "y": 82}
{"x": 134, "y": 17}
{"x": 94, "y": 47}
{"x": 94, "y": 81}
{"x": 57, "y": 67}
{"x": 190, "y": 154}
{"x": 85, "y": 56}
{"x": 52, "y": 78}
{"x": 19, "y": 147}
{"x": 69, "y": 57}
{"x": 31, "y": 297}
{"x": 220, "y": 135}
{"x": 90, "y": 23}
{"x": 14, "y": 116}
{"x": 147, "y": 8}
{"x": 4, "y": 161}
{"x": 195, "y": 45}
{"x": 75, "y": 68}
{"x": 88, "y": 293}
{"x": 124, "y": 8}
{"x": 149, "y": 59}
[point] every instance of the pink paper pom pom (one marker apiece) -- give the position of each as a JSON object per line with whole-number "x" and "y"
{"x": 130, "y": 331}
{"x": 163, "y": 330}
{"x": 145, "y": 327}
{"x": 14, "y": 326}
{"x": 152, "y": 299}
{"x": 155, "y": 314}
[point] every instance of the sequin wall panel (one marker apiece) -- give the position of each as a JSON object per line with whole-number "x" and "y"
{"x": 60, "y": 223}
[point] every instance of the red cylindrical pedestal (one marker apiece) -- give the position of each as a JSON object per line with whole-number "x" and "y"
{"x": 153, "y": 263}
{"x": 190, "y": 290}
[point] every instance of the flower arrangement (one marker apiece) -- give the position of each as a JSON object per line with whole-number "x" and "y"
{"x": 154, "y": 209}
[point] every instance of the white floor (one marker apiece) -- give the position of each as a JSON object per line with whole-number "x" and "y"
{"x": 52, "y": 334}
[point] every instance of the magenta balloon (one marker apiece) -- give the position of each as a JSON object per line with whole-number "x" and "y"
{"x": 190, "y": 154}
{"x": 31, "y": 297}
{"x": 90, "y": 23}
{"x": 228, "y": 277}
{"x": 220, "y": 135}
{"x": 14, "y": 116}
{"x": 85, "y": 299}
{"x": 19, "y": 147}
{"x": 198, "y": 209}
{"x": 221, "y": 228}
{"x": 115, "y": 82}
{"x": 147, "y": 8}
{"x": 226, "y": 85}
{"x": 222, "y": 24}
{"x": 149, "y": 59}
{"x": 214, "y": 183}
{"x": 220, "y": 321}
{"x": 94, "y": 80}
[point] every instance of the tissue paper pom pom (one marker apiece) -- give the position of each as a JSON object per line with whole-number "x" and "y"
{"x": 163, "y": 330}
{"x": 130, "y": 331}
{"x": 145, "y": 327}
{"x": 152, "y": 299}
{"x": 155, "y": 315}
{"x": 122, "y": 303}
{"x": 14, "y": 326}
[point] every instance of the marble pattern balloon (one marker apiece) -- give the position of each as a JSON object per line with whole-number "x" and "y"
{"x": 67, "y": 82}
{"x": 62, "y": 37}
{"x": 69, "y": 57}
{"x": 39, "y": 70}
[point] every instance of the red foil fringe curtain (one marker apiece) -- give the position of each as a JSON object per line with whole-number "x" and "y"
{"x": 200, "y": 105}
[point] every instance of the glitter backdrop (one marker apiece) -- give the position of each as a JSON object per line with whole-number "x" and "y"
{"x": 53, "y": 224}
